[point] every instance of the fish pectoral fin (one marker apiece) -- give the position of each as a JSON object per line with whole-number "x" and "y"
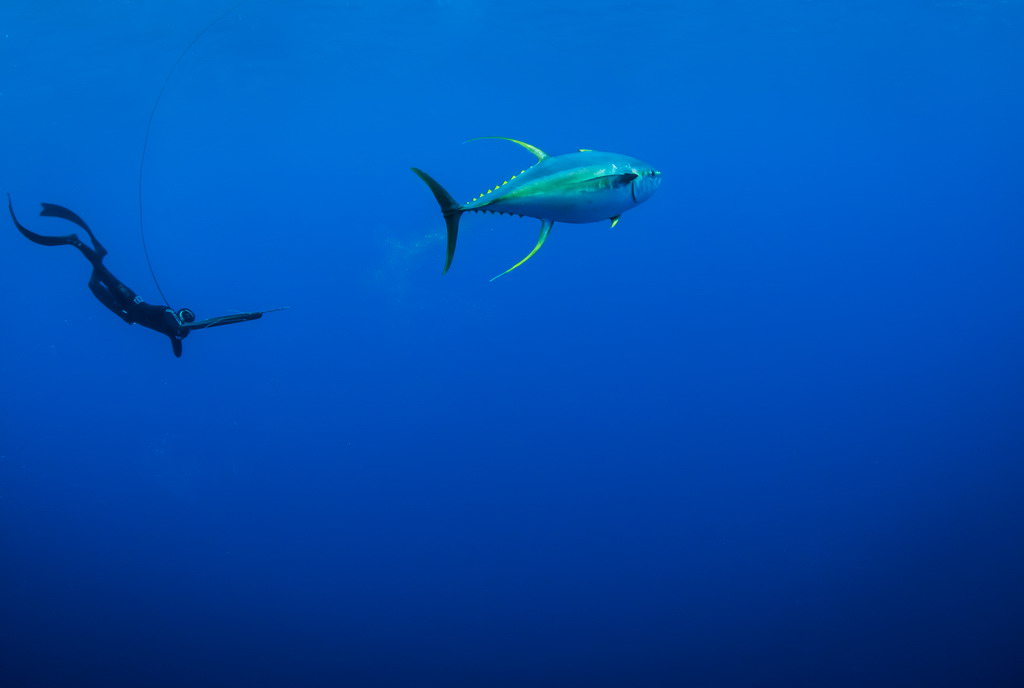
{"x": 612, "y": 181}
{"x": 615, "y": 221}
{"x": 541, "y": 155}
{"x": 545, "y": 229}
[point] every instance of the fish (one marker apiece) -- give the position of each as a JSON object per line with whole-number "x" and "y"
{"x": 578, "y": 188}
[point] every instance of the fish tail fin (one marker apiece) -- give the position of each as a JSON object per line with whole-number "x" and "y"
{"x": 451, "y": 210}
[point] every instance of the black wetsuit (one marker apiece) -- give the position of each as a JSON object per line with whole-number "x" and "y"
{"x": 111, "y": 291}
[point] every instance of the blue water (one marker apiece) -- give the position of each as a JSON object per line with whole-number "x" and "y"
{"x": 768, "y": 431}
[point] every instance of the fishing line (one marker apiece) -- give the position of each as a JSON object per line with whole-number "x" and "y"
{"x": 149, "y": 127}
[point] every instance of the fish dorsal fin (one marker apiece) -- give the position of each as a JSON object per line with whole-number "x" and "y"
{"x": 615, "y": 221}
{"x": 541, "y": 155}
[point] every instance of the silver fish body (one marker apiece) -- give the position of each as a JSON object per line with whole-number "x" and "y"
{"x": 577, "y": 188}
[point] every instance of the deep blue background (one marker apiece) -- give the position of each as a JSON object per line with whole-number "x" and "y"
{"x": 766, "y": 432}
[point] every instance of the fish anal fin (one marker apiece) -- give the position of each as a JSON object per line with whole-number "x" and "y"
{"x": 541, "y": 155}
{"x": 545, "y": 229}
{"x": 615, "y": 221}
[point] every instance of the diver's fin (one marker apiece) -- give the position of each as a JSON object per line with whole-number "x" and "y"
{"x": 585, "y": 150}
{"x": 40, "y": 239}
{"x": 541, "y": 155}
{"x": 451, "y": 210}
{"x": 615, "y": 221}
{"x": 545, "y": 229}
{"x": 54, "y": 210}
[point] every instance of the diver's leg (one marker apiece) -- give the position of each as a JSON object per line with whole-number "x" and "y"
{"x": 53, "y": 210}
{"x": 126, "y": 299}
{"x": 125, "y": 296}
{"x": 100, "y": 291}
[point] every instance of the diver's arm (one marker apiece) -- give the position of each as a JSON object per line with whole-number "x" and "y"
{"x": 176, "y": 346}
{"x": 226, "y": 320}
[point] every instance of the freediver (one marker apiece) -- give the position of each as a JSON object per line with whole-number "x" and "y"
{"x": 113, "y": 293}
